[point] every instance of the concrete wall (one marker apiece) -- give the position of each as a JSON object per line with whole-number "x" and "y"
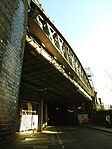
{"x": 13, "y": 20}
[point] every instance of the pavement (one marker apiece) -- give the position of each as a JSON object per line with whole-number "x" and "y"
{"x": 102, "y": 128}
{"x": 48, "y": 138}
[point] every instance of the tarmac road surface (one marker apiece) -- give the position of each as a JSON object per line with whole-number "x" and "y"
{"x": 85, "y": 138}
{"x": 64, "y": 137}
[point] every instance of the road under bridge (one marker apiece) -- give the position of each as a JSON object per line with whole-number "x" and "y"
{"x": 68, "y": 137}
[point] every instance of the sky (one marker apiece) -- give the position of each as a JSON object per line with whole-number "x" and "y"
{"x": 87, "y": 26}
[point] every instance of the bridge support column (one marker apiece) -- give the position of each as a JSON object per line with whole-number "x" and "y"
{"x": 75, "y": 108}
{"x": 40, "y": 115}
{"x": 13, "y": 18}
{"x": 46, "y": 113}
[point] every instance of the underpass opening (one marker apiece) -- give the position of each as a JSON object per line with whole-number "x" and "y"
{"x": 70, "y": 113}
{"x": 60, "y": 114}
{"x": 42, "y": 81}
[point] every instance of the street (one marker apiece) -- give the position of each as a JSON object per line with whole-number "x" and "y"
{"x": 67, "y": 137}
{"x": 85, "y": 138}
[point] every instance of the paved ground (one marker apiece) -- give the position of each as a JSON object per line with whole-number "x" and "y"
{"x": 68, "y": 137}
{"x": 85, "y": 138}
{"x": 48, "y": 139}
{"x": 109, "y": 130}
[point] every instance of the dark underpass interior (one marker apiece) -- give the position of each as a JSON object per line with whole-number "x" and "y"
{"x": 60, "y": 114}
{"x": 65, "y": 113}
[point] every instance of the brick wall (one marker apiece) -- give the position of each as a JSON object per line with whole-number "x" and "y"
{"x": 13, "y": 20}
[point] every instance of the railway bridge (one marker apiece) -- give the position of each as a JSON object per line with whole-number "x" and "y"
{"x": 42, "y": 81}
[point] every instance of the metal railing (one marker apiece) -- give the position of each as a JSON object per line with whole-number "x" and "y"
{"x": 60, "y": 43}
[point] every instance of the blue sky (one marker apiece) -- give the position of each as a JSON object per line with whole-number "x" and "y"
{"x": 87, "y": 26}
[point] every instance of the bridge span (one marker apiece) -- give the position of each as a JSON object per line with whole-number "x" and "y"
{"x": 52, "y": 73}
{"x": 42, "y": 81}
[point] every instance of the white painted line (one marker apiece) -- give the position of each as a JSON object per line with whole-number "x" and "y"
{"x": 40, "y": 147}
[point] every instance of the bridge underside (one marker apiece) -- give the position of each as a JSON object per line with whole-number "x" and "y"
{"x": 41, "y": 78}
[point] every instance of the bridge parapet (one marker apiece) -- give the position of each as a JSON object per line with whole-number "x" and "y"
{"x": 46, "y": 32}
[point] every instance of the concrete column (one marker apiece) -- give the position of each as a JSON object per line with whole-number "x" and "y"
{"x": 40, "y": 115}
{"x": 75, "y": 107}
{"x": 46, "y": 112}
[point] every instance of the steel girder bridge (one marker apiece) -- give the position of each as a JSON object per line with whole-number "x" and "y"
{"x": 50, "y": 65}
